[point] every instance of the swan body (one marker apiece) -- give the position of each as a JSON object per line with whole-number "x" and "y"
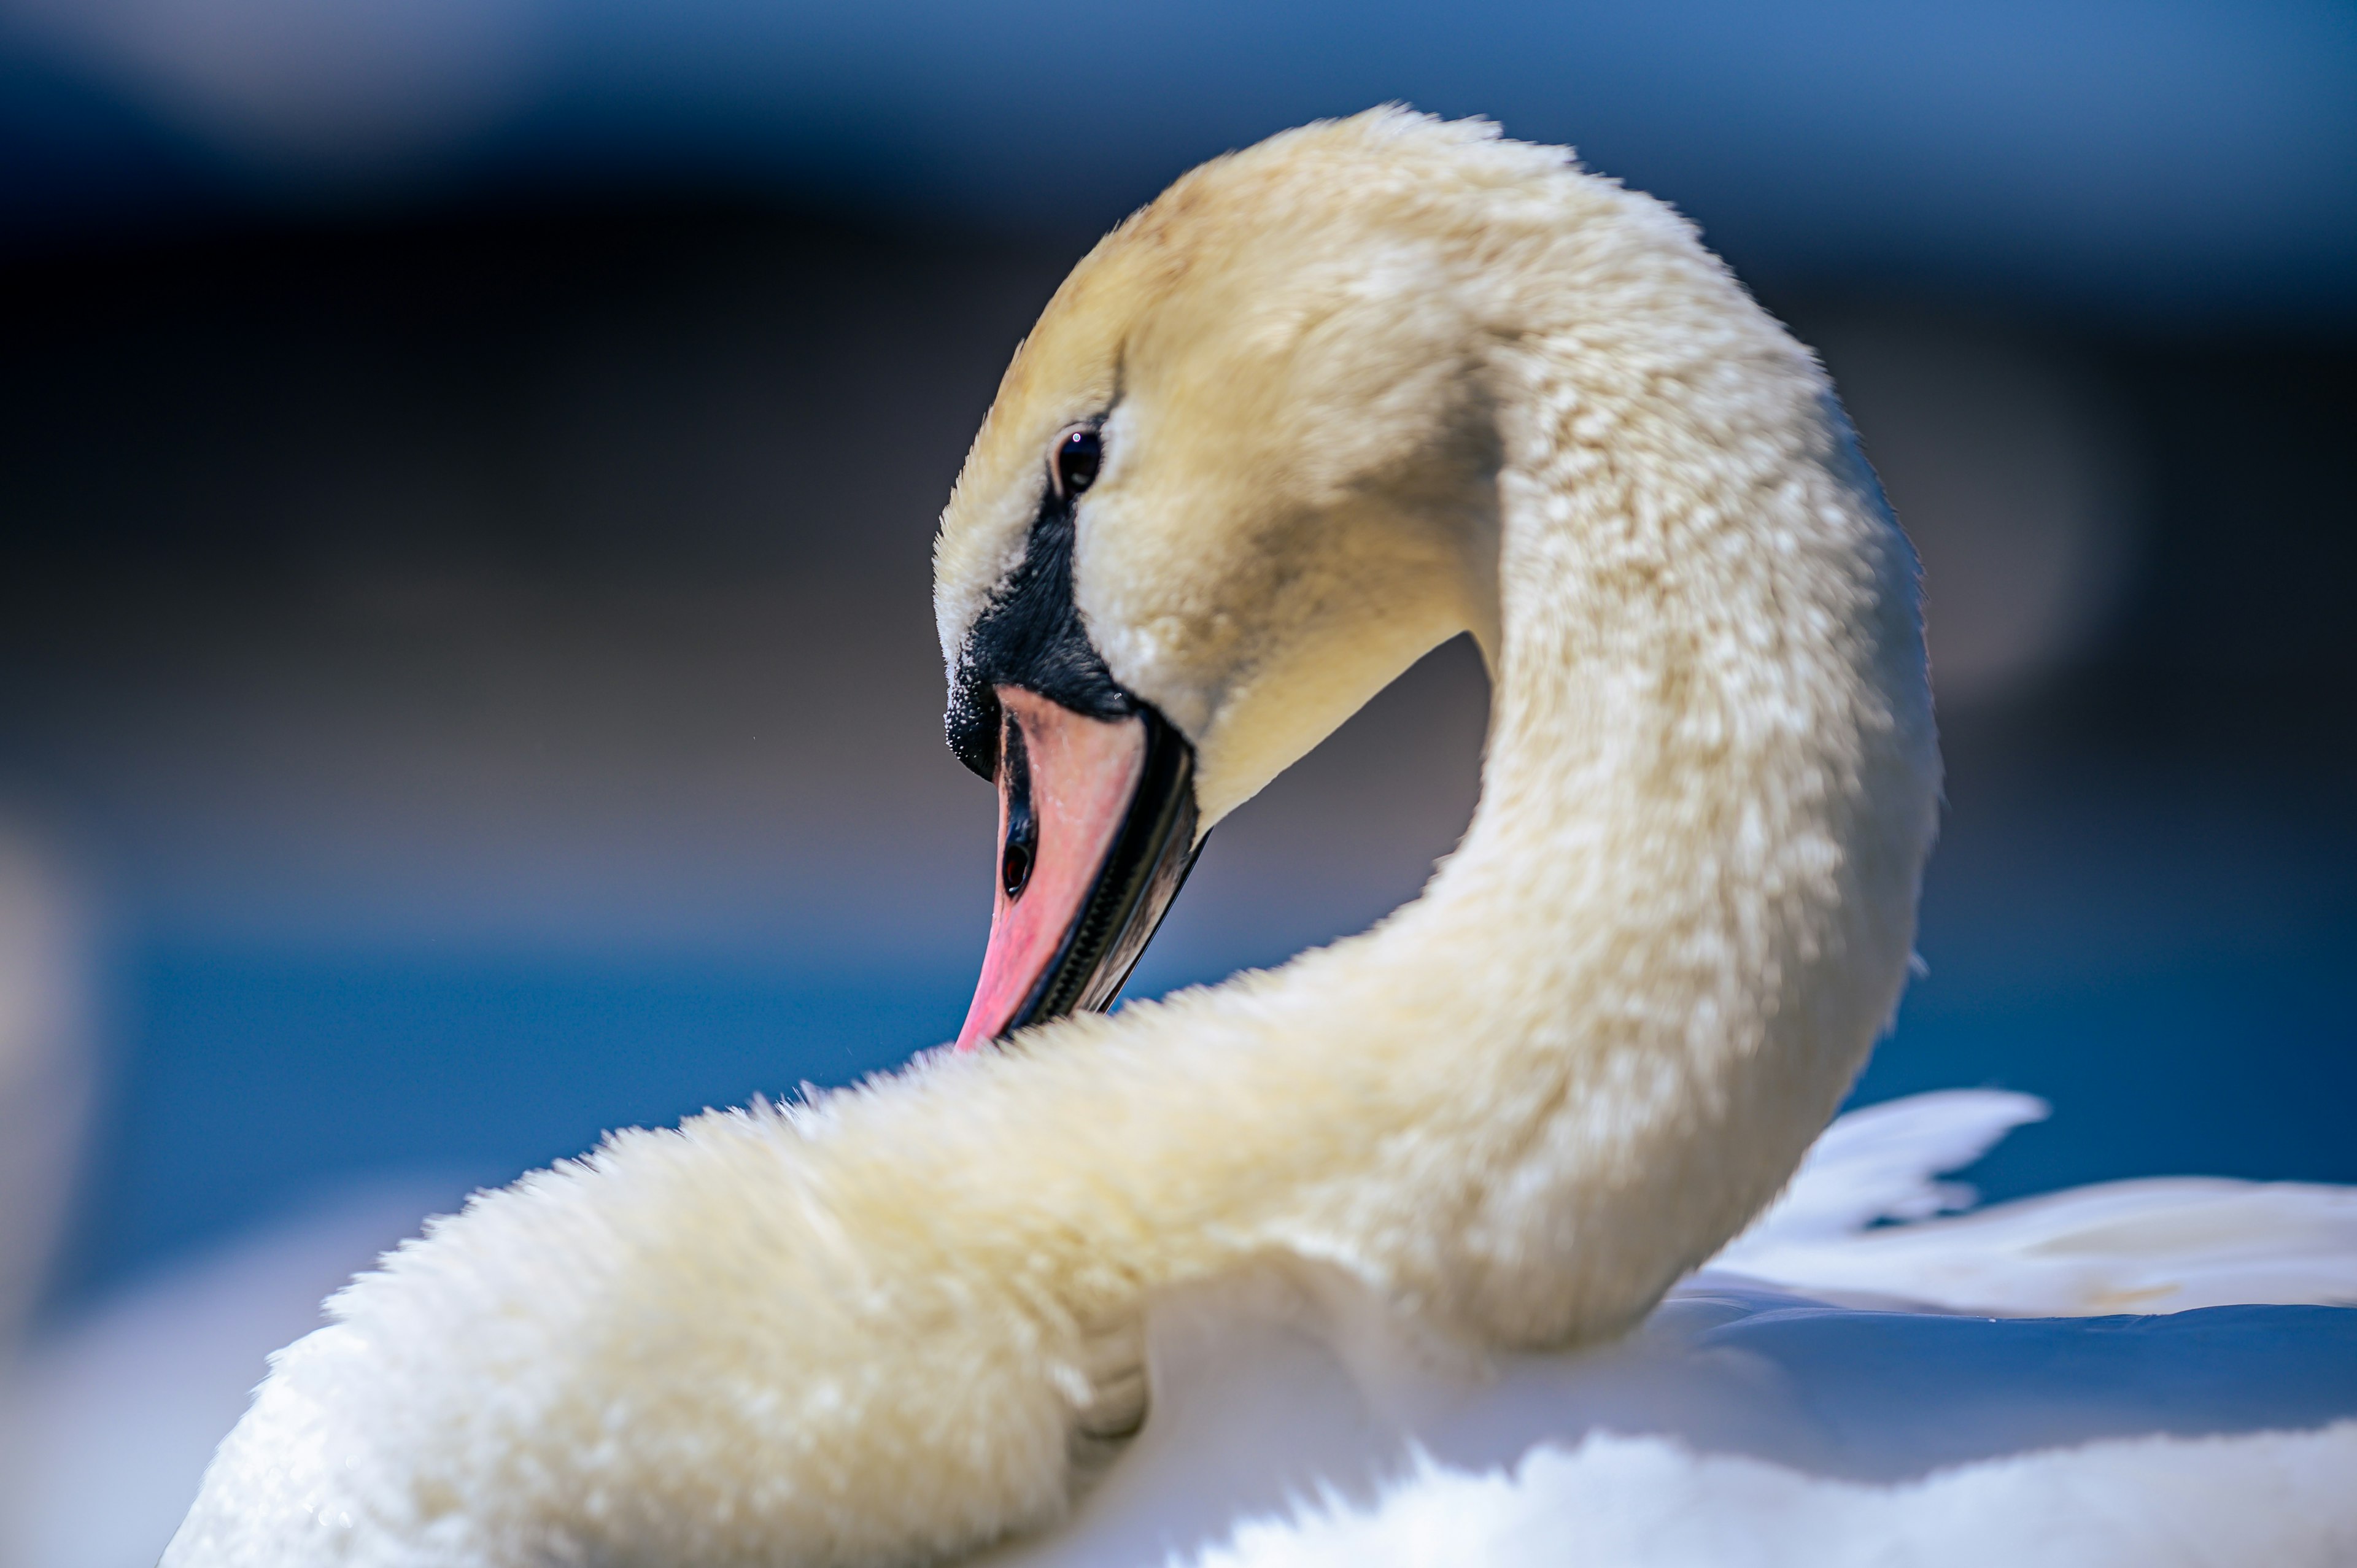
{"x": 1341, "y": 396}
{"x": 1746, "y": 1421}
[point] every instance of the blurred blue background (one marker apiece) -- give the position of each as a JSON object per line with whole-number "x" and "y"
{"x": 466, "y": 676}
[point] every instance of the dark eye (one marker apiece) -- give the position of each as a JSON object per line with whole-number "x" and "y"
{"x": 1079, "y": 455}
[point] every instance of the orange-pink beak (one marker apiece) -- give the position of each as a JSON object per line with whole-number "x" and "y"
{"x": 1096, "y": 833}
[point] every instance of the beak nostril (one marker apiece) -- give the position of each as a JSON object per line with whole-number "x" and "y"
{"x": 1022, "y": 851}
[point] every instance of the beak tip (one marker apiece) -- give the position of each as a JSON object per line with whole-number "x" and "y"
{"x": 1113, "y": 808}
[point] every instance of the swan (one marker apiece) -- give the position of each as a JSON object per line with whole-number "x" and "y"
{"x": 1324, "y": 404}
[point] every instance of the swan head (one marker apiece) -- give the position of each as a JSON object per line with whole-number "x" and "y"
{"x": 1241, "y": 474}
{"x": 1255, "y": 459}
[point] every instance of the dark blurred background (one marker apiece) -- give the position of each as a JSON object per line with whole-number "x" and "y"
{"x": 467, "y": 466}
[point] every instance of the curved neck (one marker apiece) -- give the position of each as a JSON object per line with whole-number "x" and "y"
{"x": 1519, "y": 1107}
{"x": 1683, "y": 909}
{"x": 1599, "y": 1043}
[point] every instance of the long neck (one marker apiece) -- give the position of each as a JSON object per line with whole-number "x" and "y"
{"x": 1601, "y": 1040}
{"x": 1599, "y": 1043}
{"x": 1518, "y": 1108}
{"x": 1683, "y": 910}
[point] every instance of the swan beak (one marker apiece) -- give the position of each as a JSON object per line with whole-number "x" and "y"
{"x": 1096, "y": 833}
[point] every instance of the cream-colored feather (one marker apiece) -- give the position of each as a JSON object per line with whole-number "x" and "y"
{"x": 1365, "y": 385}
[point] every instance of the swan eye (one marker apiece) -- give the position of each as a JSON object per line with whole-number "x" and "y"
{"x": 1079, "y": 455}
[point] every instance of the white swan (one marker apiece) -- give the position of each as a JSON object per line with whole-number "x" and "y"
{"x": 1324, "y": 404}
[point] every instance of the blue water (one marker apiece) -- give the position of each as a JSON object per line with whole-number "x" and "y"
{"x": 252, "y": 1081}
{"x": 2240, "y": 1064}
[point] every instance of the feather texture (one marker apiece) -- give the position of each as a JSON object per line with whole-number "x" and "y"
{"x": 1363, "y": 386}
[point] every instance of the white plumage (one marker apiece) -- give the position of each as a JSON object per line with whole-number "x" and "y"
{"x": 2155, "y": 1245}
{"x": 1749, "y": 1425}
{"x": 1644, "y": 1502}
{"x": 1360, "y": 388}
